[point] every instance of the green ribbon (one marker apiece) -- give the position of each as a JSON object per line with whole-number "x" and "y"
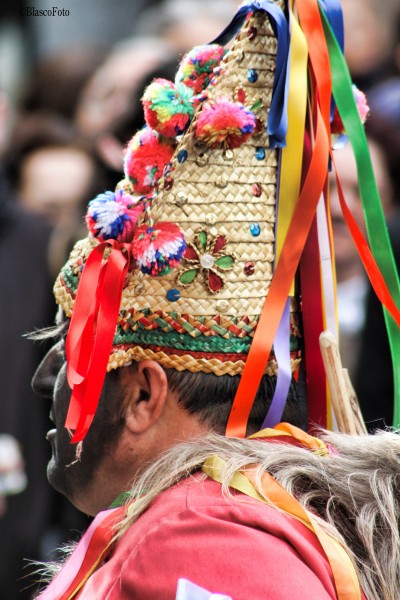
{"x": 375, "y": 221}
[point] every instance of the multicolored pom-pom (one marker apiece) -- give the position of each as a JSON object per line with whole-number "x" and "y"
{"x": 145, "y": 159}
{"x": 197, "y": 66}
{"x": 113, "y": 216}
{"x": 158, "y": 249}
{"x": 168, "y": 108}
{"x": 337, "y": 126}
{"x": 225, "y": 123}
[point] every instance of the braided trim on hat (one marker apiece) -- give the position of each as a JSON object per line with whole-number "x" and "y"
{"x": 187, "y": 362}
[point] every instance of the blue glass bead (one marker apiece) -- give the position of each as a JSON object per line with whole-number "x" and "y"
{"x": 173, "y": 295}
{"x": 260, "y": 153}
{"x": 252, "y": 75}
{"x": 255, "y": 229}
{"x": 182, "y": 156}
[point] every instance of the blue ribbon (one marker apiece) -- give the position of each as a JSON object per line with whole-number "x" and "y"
{"x": 277, "y": 121}
{"x": 333, "y": 12}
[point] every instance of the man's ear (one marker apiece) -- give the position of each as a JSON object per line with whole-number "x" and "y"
{"x": 147, "y": 389}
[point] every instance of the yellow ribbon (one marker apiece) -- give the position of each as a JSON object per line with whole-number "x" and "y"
{"x": 272, "y": 493}
{"x": 292, "y": 154}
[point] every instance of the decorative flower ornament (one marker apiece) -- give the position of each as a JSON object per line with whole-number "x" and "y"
{"x": 113, "y": 216}
{"x": 206, "y": 256}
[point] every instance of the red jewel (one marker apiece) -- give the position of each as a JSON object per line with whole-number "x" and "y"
{"x": 168, "y": 183}
{"x": 252, "y": 33}
{"x": 220, "y": 243}
{"x": 249, "y": 268}
{"x": 257, "y": 190}
{"x": 190, "y": 254}
{"x": 241, "y": 95}
{"x": 259, "y": 126}
{"x": 215, "y": 282}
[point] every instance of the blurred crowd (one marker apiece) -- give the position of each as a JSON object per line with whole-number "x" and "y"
{"x": 69, "y": 102}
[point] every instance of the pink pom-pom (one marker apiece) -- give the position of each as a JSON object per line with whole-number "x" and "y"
{"x": 145, "y": 159}
{"x": 159, "y": 248}
{"x": 337, "y": 126}
{"x": 225, "y": 123}
{"x": 168, "y": 108}
{"x": 113, "y": 216}
{"x": 197, "y": 66}
{"x": 362, "y": 105}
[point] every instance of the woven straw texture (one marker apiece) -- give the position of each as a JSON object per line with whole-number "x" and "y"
{"x": 222, "y": 192}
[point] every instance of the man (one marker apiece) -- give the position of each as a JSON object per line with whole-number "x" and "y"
{"x": 167, "y": 294}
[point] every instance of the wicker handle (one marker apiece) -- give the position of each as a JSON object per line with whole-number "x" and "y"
{"x": 344, "y": 400}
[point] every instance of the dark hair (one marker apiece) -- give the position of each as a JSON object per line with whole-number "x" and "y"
{"x": 211, "y": 398}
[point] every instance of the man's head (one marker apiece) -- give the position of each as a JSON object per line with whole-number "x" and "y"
{"x": 144, "y": 409}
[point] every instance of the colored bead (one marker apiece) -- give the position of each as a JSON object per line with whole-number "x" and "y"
{"x": 260, "y": 153}
{"x": 182, "y": 156}
{"x": 255, "y": 229}
{"x": 252, "y": 75}
{"x": 207, "y": 261}
{"x": 241, "y": 95}
{"x": 252, "y": 33}
{"x": 168, "y": 183}
{"x": 257, "y": 190}
{"x": 249, "y": 268}
{"x": 173, "y": 295}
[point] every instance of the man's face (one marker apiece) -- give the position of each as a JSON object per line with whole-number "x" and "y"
{"x": 69, "y": 474}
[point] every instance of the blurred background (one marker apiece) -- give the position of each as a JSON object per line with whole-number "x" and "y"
{"x": 70, "y": 88}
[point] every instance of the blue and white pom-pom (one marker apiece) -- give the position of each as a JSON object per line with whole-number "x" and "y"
{"x": 113, "y": 215}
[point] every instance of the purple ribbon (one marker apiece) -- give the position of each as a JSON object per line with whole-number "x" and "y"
{"x": 282, "y": 355}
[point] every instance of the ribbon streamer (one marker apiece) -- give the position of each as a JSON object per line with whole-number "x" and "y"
{"x": 374, "y": 219}
{"x": 91, "y": 331}
{"x": 282, "y": 355}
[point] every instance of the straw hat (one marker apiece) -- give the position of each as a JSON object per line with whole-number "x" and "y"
{"x": 220, "y": 190}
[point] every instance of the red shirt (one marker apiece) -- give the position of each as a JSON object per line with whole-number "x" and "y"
{"x": 234, "y": 546}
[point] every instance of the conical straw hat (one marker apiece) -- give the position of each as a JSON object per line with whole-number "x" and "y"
{"x": 202, "y": 315}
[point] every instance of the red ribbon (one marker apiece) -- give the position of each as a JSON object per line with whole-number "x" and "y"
{"x": 91, "y": 331}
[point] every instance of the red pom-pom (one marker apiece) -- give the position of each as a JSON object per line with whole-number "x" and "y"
{"x": 225, "y": 123}
{"x": 168, "y": 108}
{"x": 145, "y": 159}
{"x": 158, "y": 249}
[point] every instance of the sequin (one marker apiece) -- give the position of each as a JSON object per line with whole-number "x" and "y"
{"x": 252, "y": 33}
{"x": 241, "y": 95}
{"x": 255, "y": 229}
{"x": 249, "y": 268}
{"x": 260, "y": 153}
{"x": 182, "y": 156}
{"x": 257, "y": 190}
{"x": 173, "y": 295}
{"x": 168, "y": 183}
{"x": 252, "y": 75}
